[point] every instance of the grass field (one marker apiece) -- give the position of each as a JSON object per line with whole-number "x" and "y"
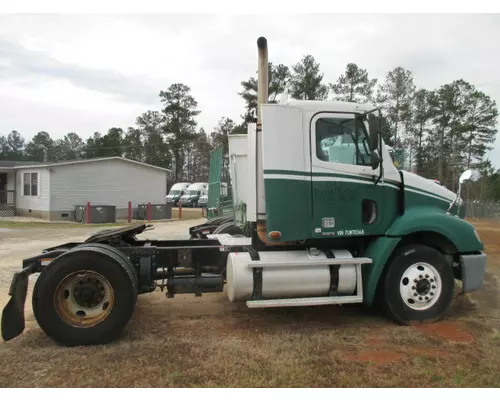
{"x": 209, "y": 342}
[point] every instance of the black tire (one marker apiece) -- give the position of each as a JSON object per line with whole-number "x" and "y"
{"x": 103, "y": 260}
{"x": 126, "y": 261}
{"x": 400, "y": 309}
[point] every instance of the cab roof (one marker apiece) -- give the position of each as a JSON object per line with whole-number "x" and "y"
{"x": 321, "y": 105}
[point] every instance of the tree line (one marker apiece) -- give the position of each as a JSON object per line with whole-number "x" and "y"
{"x": 439, "y": 131}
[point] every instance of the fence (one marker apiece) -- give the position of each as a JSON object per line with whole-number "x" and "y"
{"x": 485, "y": 209}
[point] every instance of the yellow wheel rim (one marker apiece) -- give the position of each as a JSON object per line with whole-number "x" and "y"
{"x": 84, "y": 299}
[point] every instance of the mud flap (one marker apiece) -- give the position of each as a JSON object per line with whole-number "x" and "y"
{"x": 13, "y": 314}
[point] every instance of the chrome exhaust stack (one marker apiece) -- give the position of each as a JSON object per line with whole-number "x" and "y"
{"x": 262, "y": 76}
{"x": 262, "y": 98}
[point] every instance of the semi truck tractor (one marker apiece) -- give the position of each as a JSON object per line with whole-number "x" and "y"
{"x": 193, "y": 193}
{"x": 320, "y": 217}
{"x": 203, "y": 202}
{"x": 176, "y": 192}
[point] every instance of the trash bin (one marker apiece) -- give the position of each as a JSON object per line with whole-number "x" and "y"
{"x": 103, "y": 214}
{"x": 158, "y": 211}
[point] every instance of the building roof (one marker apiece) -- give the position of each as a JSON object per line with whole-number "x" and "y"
{"x": 24, "y": 165}
{"x": 14, "y": 164}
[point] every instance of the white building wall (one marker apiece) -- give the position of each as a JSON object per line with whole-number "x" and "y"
{"x": 40, "y": 202}
{"x": 107, "y": 182}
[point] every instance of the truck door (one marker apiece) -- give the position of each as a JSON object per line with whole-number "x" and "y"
{"x": 345, "y": 200}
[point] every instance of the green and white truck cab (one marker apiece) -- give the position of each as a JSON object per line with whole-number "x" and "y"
{"x": 176, "y": 192}
{"x": 316, "y": 175}
{"x": 193, "y": 194}
{"x": 203, "y": 202}
{"x": 342, "y": 192}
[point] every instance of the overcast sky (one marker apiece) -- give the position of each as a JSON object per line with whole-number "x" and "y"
{"x": 87, "y": 73}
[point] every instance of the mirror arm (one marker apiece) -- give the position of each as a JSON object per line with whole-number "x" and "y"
{"x": 457, "y": 196}
{"x": 381, "y": 165}
{"x": 362, "y": 116}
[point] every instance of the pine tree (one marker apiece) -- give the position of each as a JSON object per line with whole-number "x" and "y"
{"x": 354, "y": 85}
{"x": 306, "y": 81}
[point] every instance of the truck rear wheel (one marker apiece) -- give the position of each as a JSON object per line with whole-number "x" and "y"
{"x": 418, "y": 286}
{"x": 86, "y": 296}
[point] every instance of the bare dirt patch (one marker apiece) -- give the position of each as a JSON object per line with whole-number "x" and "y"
{"x": 448, "y": 331}
{"x": 378, "y": 357}
{"x": 209, "y": 342}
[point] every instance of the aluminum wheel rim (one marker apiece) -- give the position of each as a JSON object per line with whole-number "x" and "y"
{"x": 420, "y": 286}
{"x": 84, "y": 299}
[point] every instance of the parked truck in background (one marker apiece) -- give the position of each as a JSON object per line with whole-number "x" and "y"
{"x": 193, "y": 193}
{"x": 203, "y": 202}
{"x": 306, "y": 227}
{"x": 176, "y": 192}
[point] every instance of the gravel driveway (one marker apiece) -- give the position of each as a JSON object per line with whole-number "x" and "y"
{"x": 16, "y": 244}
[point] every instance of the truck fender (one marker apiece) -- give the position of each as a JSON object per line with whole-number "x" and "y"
{"x": 379, "y": 251}
{"x": 427, "y": 219}
{"x": 459, "y": 232}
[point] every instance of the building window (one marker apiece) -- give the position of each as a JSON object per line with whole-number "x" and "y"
{"x": 30, "y": 181}
{"x": 341, "y": 140}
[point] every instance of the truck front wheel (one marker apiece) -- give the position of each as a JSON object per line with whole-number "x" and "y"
{"x": 85, "y": 296}
{"x": 418, "y": 286}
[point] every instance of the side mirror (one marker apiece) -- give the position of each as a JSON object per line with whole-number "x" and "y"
{"x": 374, "y": 125}
{"x": 466, "y": 175}
{"x": 469, "y": 175}
{"x": 375, "y": 160}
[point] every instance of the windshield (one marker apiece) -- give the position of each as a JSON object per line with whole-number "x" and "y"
{"x": 192, "y": 192}
{"x": 174, "y": 192}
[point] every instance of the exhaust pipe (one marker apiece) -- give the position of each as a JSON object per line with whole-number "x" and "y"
{"x": 262, "y": 98}
{"x": 262, "y": 78}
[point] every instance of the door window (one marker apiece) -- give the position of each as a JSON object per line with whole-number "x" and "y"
{"x": 341, "y": 140}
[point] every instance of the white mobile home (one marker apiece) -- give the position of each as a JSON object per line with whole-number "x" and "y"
{"x": 52, "y": 190}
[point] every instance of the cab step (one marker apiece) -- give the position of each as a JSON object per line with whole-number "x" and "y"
{"x": 306, "y": 301}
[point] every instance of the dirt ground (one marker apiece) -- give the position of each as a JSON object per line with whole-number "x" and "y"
{"x": 209, "y": 342}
